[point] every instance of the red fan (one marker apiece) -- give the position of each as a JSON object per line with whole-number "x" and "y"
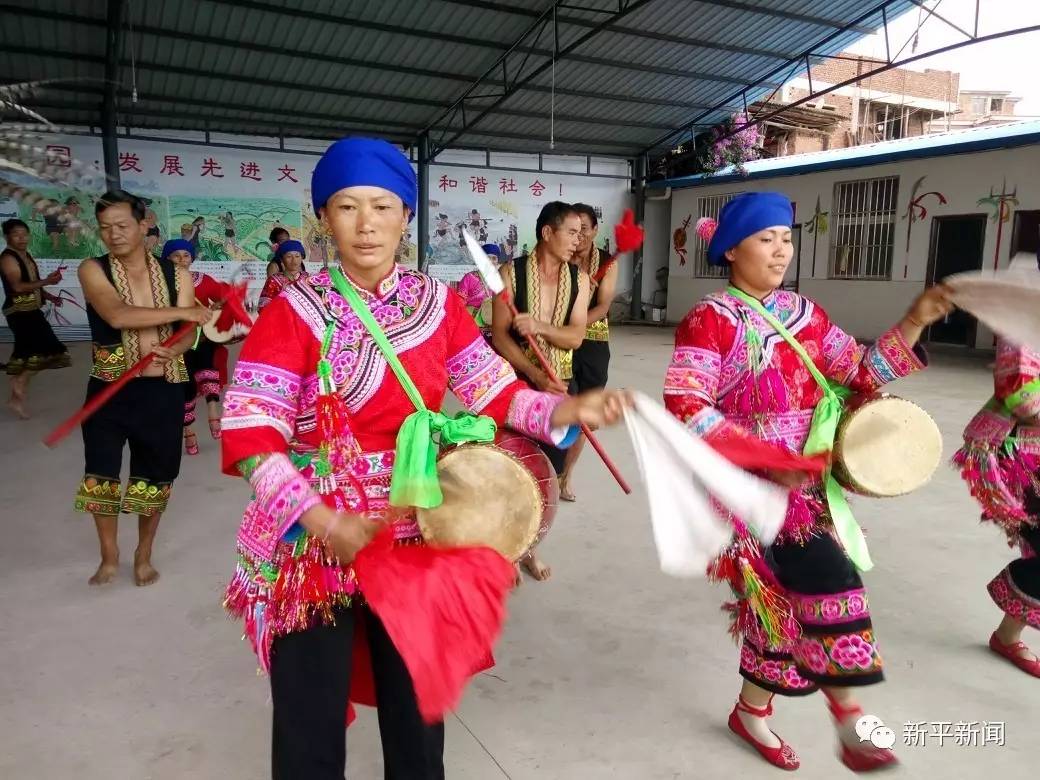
{"x": 442, "y": 608}
{"x": 628, "y": 236}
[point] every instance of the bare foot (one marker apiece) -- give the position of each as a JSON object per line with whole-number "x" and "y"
{"x": 533, "y": 566}
{"x": 16, "y": 403}
{"x": 144, "y": 572}
{"x": 18, "y": 409}
{"x": 566, "y": 494}
{"x": 518, "y": 576}
{"x": 105, "y": 573}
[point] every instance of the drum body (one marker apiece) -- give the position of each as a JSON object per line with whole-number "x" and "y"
{"x": 495, "y": 495}
{"x": 885, "y": 446}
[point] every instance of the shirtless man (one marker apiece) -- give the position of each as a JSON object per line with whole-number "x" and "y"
{"x": 134, "y": 302}
{"x": 552, "y": 296}
{"x": 592, "y": 358}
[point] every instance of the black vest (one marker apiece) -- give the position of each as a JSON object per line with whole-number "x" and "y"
{"x": 104, "y": 334}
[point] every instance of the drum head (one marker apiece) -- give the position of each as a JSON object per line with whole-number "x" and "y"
{"x": 490, "y": 500}
{"x": 237, "y": 333}
{"x": 888, "y": 447}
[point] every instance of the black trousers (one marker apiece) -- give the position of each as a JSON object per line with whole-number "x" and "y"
{"x": 310, "y": 685}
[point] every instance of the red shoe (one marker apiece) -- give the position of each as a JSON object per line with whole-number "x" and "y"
{"x": 867, "y": 758}
{"x": 1011, "y": 653}
{"x": 783, "y": 756}
{"x": 191, "y": 444}
{"x": 214, "y": 427}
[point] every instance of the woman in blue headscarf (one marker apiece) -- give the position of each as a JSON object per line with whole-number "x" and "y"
{"x": 736, "y": 373}
{"x": 312, "y": 419}
{"x": 289, "y": 256}
{"x": 207, "y": 363}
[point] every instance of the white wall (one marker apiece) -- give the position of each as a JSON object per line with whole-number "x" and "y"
{"x": 657, "y": 245}
{"x": 867, "y": 308}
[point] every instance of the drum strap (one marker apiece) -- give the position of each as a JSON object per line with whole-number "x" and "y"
{"x": 822, "y": 432}
{"x": 414, "y": 478}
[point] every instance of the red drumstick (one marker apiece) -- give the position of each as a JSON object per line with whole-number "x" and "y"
{"x": 548, "y": 369}
{"x": 99, "y": 400}
{"x": 232, "y": 310}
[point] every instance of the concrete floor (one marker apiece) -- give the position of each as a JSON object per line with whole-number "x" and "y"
{"x": 610, "y": 670}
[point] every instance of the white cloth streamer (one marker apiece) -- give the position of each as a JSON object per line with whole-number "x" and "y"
{"x": 682, "y": 475}
{"x": 1007, "y": 302}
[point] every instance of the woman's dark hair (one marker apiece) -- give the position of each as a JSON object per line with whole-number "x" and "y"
{"x": 273, "y": 238}
{"x": 115, "y": 197}
{"x": 588, "y": 211}
{"x": 552, "y": 215}
{"x": 11, "y": 224}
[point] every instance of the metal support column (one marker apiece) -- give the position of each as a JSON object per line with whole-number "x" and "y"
{"x": 113, "y": 50}
{"x": 639, "y": 171}
{"x": 422, "y": 228}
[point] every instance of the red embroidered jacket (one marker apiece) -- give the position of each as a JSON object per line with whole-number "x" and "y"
{"x": 269, "y": 410}
{"x": 732, "y": 374}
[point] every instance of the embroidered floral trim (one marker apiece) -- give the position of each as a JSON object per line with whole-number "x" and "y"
{"x": 99, "y": 495}
{"x": 261, "y": 395}
{"x": 477, "y": 374}
{"x": 146, "y": 498}
{"x": 776, "y": 672}
{"x": 839, "y": 656}
{"x": 890, "y": 358}
{"x": 693, "y": 371}
{"x": 1012, "y": 600}
{"x": 830, "y": 609}
{"x": 282, "y": 495}
{"x": 530, "y": 413}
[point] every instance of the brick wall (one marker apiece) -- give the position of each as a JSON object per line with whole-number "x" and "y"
{"x": 932, "y": 84}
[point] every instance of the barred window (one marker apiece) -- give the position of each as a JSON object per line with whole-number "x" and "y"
{"x": 709, "y": 207}
{"x": 863, "y": 228}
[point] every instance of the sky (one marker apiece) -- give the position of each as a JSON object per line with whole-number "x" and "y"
{"x": 1011, "y": 63}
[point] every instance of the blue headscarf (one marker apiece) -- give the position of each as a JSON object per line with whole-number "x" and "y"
{"x": 292, "y": 245}
{"x": 492, "y": 250}
{"x": 744, "y": 216}
{"x": 363, "y": 162}
{"x": 176, "y": 245}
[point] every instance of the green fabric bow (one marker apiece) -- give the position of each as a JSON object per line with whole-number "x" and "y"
{"x": 414, "y": 480}
{"x": 822, "y": 432}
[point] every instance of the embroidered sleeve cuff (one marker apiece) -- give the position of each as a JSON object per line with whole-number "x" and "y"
{"x": 282, "y": 495}
{"x": 891, "y": 358}
{"x": 531, "y": 412}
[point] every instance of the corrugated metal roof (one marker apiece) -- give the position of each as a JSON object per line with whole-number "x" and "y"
{"x": 632, "y": 71}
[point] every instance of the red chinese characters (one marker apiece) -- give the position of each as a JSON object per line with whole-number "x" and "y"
{"x": 250, "y": 170}
{"x": 211, "y": 167}
{"x": 172, "y": 165}
{"x": 129, "y": 162}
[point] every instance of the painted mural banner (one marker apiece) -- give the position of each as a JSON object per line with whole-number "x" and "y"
{"x": 502, "y": 206}
{"x": 226, "y": 200}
